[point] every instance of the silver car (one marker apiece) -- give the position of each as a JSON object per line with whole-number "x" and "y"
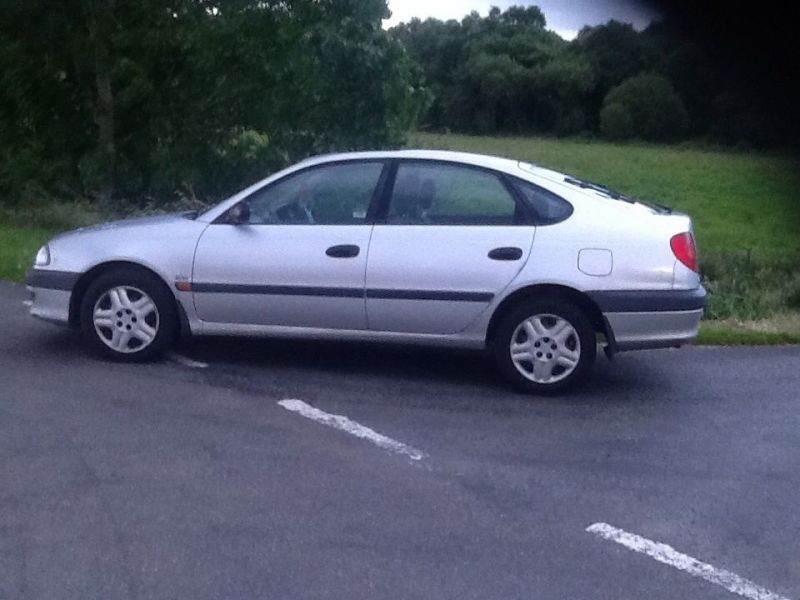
{"x": 425, "y": 247}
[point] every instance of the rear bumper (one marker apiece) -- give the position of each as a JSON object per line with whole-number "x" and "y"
{"x": 50, "y": 294}
{"x": 652, "y": 319}
{"x": 663, "y": 329}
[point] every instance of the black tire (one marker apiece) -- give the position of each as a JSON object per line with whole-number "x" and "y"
{"x": 557, "y": 307}
{"x": 166, "y": 314}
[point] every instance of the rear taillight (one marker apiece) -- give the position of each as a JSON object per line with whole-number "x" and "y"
{"x": 684, "y": 249}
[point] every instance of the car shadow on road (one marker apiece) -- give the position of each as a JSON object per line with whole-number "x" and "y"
{"x": 441, "y": 376}
{"x": 418, "y": 368}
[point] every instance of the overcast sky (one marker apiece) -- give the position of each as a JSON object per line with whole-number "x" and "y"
{"x": 565, "y": 17}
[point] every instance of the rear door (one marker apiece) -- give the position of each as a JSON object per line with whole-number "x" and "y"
{"x": 452, "y": 238}
{"x": 301, "y": 259}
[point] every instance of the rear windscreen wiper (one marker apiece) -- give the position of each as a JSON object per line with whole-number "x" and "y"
{"x": 588, "y": 185}
{"x": 613, "y": 194}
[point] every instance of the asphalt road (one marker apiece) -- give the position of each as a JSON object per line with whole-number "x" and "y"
{"x": 167, "y": 481}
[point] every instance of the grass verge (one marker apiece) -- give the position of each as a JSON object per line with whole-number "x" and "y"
{"x": 783, "y": 329}
{"x": 25, "y": 229}
{"x": 18, "y": 247}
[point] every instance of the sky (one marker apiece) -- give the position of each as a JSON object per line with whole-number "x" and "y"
{"x": 565, "y": 17}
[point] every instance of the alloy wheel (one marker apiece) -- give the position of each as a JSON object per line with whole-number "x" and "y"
{"x": 126, "y": 319}
{"x": 545, "y": 348}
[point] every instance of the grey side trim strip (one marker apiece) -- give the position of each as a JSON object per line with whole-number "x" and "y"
{"x": 292, "y": 290}
{"x": 649, "y": 300}
{"x": 276, "y": 290}
{"x": 430, "y": 295}
{"x": 51, "y": 280}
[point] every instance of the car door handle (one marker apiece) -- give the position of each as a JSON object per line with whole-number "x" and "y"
{"x": 343, "y": 251}
{"x": 507, "y": 253}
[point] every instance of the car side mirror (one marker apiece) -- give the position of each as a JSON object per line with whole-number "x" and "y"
{"x": 239, "y": 214}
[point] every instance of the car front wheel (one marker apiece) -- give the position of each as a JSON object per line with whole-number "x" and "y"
{"x": 127, "y": 314}
{"x": 545, "y": 346}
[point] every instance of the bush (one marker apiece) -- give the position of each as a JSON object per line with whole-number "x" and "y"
{"x": 646, "y": 107}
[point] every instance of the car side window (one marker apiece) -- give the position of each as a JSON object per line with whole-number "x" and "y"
{"x": 440, "y": 194}
{"x": 547, "y": 207}
{"x": 337, "y": 194}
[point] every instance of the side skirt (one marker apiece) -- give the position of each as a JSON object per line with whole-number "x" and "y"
{"x": 278, "y": 331}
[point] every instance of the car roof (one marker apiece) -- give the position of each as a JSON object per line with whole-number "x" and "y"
{"x": 512, "y": 166}
{"x": 483, "y": 160}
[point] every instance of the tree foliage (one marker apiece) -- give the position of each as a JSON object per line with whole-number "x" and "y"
{"x": 487, "y": 73}
{"x": 645, "y": 107}
{"x": 506, "y": 73}
{"x": 143, "y": 98}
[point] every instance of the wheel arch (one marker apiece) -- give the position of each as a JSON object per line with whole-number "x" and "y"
{"x": 578, "y": 298}
{"x": 86, "y": 279}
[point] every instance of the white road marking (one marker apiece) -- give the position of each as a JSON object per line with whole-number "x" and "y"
{"x": 351, "y": 427}
{"x": 28, "y": 302}
{"x": 185, "y": 361}
{"x": 669, "y": 556}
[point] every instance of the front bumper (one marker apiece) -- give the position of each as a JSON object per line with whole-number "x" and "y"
{"x": 50, "y": 294}
{"x": 652, "y": 319}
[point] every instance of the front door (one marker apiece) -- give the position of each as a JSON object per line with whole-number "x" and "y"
{"x": 301, "y": 259}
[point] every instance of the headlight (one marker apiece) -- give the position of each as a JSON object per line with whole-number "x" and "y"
{"x": 43, "y": 256}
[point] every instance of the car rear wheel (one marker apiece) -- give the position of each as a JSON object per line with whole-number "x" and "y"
{"x": 545, "y": 346}
{"x": 128, "y": 314}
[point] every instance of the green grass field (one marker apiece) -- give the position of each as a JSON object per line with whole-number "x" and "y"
{"x": 738, "y": 201}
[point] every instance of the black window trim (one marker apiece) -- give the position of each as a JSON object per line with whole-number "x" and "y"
{"x": 536, "y": 218}
{"x": 377, "y": 192}
{"x": 382, "y": 212}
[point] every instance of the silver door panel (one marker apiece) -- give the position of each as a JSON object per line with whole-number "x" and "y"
{"x": 448, "y": 270}
{"x": 295, "y": 311}
{"x": 262, "y": 264}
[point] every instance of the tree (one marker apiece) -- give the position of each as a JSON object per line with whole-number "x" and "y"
{"x": 645, "y": 107}
{"x": 614, "y": 52}
{"x": 143, "y": 98}
{"x": 523, "y": 16}
{"x": 482, "y": 70}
